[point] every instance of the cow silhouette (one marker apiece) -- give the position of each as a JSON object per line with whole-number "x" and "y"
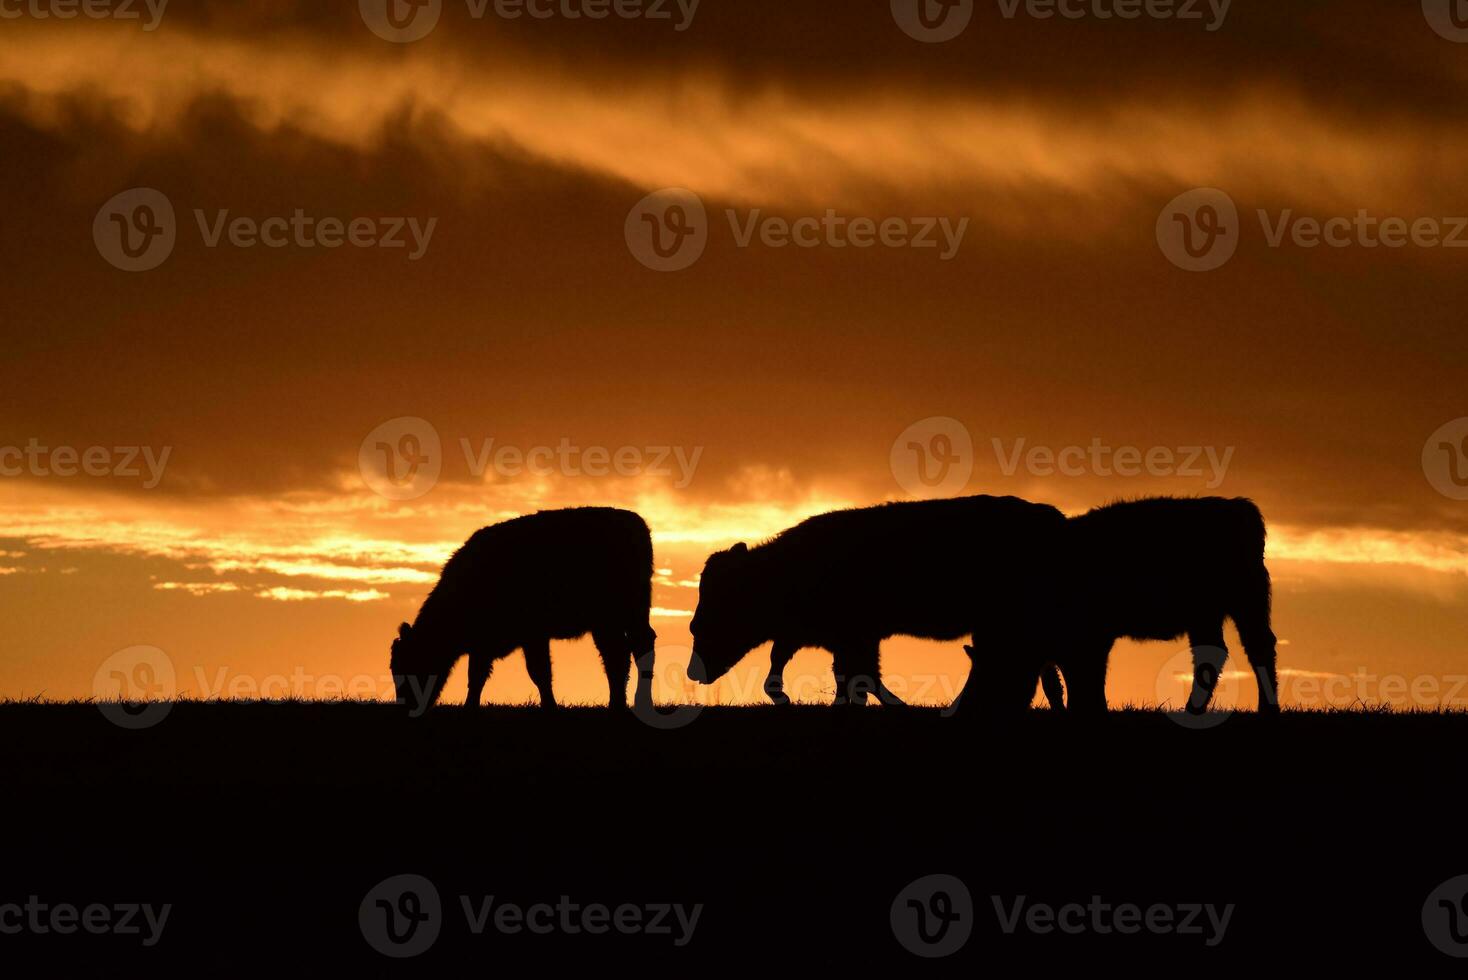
{"x": 552, "y": 575}
{"x": 1152, "y": 569}
{"x": 848, "y": 579}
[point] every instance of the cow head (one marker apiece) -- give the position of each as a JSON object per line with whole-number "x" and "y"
{"x": 1000, "y": 682}
{"x": 418, "y": 669}
{"x": 726, "y": 624}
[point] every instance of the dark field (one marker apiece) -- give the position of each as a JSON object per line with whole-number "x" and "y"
{"x": 265, "y": 825}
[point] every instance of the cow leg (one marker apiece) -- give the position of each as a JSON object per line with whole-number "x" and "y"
{"x": 643, "y": 642}
{"x": 1209, "y": 655}
{"x": 616, "y": 659}
{"x": 859, "y": 673}
{"x": 841, "y": 667}
{"x": 1252, "y": 619}
{"x": 480, "y": 665}
{"x": 538, "y": 666}
{"x": 1084, "y": 665}
{"x": 780, "y": 657}
{"x": 884, "y": 693}
{"x": 871, "y": 665}
{"x": 1054, "y": 689}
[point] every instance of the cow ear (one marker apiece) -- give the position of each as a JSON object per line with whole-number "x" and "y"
{"x": 403, "y": 630}
{"x": 740, "y": 548}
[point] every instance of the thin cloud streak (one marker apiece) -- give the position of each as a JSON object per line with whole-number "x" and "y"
{"x": 343, "y": 543}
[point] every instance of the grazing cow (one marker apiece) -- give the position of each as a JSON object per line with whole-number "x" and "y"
{"x": 849, "y": 579}
{"x": 553, "y": 575}
{"x": 1152, "y": 569}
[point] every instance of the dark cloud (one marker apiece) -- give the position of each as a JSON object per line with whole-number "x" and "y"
{"x": 527, "y": 319}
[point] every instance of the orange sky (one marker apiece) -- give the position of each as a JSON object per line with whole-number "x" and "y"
{"x": 783, "y": 376}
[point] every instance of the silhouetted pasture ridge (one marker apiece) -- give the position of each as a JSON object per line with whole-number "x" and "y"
{"x": 265, "y": 824}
